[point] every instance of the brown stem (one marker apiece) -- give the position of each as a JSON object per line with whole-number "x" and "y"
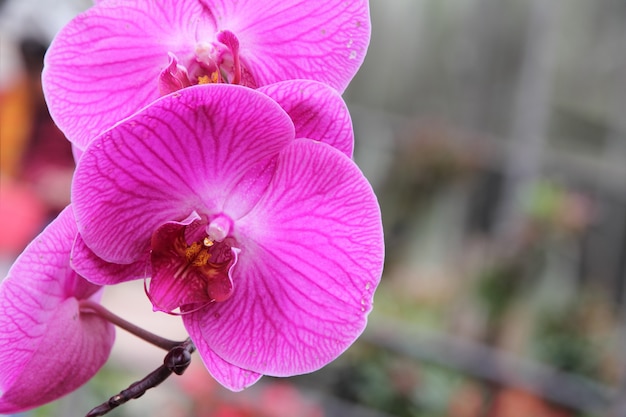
{"x": 91, "y": 307}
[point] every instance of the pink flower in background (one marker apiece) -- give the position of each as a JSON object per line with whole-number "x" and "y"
{"x": 268, "y": 243}
{"x": 119, "y": 56}
{"x": 48, "y": 348}
{"x": 22, "y": 213}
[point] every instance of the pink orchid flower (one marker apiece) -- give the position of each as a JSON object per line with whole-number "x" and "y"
{"x": 119, "y": 56}
{"x": 269, "y": 244}
{"x": 48, "y": 347}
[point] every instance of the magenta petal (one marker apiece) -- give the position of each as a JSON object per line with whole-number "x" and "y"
{"x": 104, "y": 65}
{"x": 230, "y": 376}
{"x": 76, "y": 153}
{"x": 286, "y": 39}
{"x": 318, "y": 112}
{"x": 173, "y": 77}
{"x": 48, "y": 348}
{"x": 311, "y": 258}
{"x": 182, "y": 154}
{"x": 97, "y": 271}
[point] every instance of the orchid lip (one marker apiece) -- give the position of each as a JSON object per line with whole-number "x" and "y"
{"x": 191, "y": 269}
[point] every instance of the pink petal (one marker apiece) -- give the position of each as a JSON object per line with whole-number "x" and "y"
{"x": 312, "y": 255}
{"x": 173, "y": 77}
{"x": 182, "y": 154}
{"x": 290, "y": 39}
{"x": 76, "y": 153}
{"x": 230, "y": 376}
{"x": 318, "y": 112}
{"x": 97, "y": 271}
{"x": 48, "y": 348}
{"x": 105, "y": 64}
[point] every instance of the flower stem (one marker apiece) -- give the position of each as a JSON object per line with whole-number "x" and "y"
{"x": 91, "y": 307}
{"x": 176, "y": 361}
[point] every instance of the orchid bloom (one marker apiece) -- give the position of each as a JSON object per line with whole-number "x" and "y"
{"x": 48, "y": 347}
{"x": 121, "y": 55}
{"x": 267, "y": 243}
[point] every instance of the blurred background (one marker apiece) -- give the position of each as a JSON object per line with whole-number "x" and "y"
{"x": 494, "y": 133}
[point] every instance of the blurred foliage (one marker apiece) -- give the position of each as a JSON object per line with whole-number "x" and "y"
{"x": 370, "y": 378}
{"x": 560, "y": 342}
{"x": 392, "y": 384}
{"x": 498, "y": 286}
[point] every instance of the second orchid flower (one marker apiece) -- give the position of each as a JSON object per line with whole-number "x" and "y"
{"x": 119, "y": 56}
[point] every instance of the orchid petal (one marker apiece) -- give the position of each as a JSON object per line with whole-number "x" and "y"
{"x": 99, "y": 272}
{"x": 105, "y": 64}
{"x": 183, "y": 153}
{"x": 76, "y": 153}
{"x": 318, "y": 112}
{"x": 311, "y": 257}
{"x": 173, "y": 77}
{"x": 291, "y": 39}
{"x": 48, "y": 348}
{"x": 230, "y": 376}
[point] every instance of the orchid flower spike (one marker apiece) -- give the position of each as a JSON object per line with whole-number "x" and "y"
{"x": 48, "y": 347}
{"x": 268, "y": 244}
{"x": 121, "y": 55}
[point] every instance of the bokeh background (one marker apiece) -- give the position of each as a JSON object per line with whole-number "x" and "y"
{"x": 494, "y": 133}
